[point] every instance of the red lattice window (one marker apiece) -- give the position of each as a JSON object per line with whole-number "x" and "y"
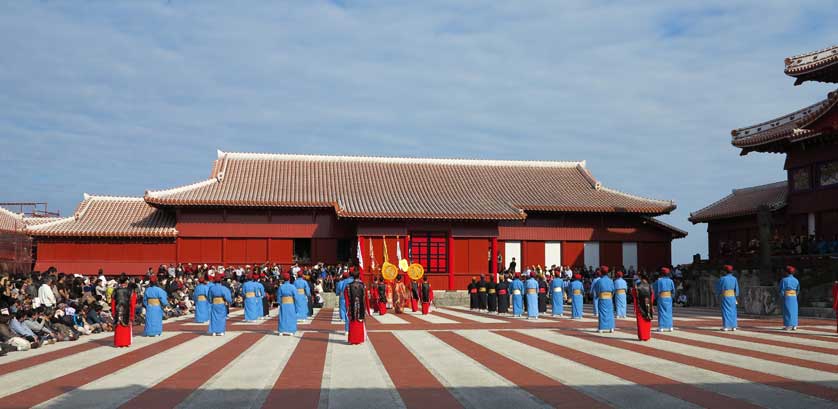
{"x": 430, "y": 249}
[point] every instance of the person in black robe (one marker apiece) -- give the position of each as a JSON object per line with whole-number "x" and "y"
{"x": 270, "y": 291}
{"x": 414, "y": 295}
{"x": 492, "y": 295}
{"x": 482, "y": 293}
{"x": 382, "y": 297}
{"x": 503, "y": 295}
{"x": 542, "y": 294}
{"x": 472, "y": 294}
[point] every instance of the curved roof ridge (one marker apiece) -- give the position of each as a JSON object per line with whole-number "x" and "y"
{"x": 11, "y": 213}
{"x": 797, "y": 117}
{"x": 111, "y": 197}
{"x": 813, "y": 59}
{"x": 637, "y": 197}
{"x": 771, "y": 185}
{"x": 399, "y": 160}
{"x": 179, "y": 189}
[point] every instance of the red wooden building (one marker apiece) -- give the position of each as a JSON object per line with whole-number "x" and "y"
{"x": 806, "y": 204}
{"x": 458, "y": 218}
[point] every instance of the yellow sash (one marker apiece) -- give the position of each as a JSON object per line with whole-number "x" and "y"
{"x": 491, "y": 291}
{"x": 665, "y": 294}
{"x": 577, "y": 292}
{"x": 218, "y": 300}
{"x": 153, "y": 301}
{"x": 482, "y": 289}
{"x": 729, "y": 293}
{"x": 621, "y": 291}
{"x": 605, "y": 295}
{"x": 791, "y": 293}
{"x": 287, "y": 299}
{"x": 250, "y": 294}
{"x": 202, "y": 298}
{"x": 516, "y": 292}
{"x": 301, "y": 291}
{"x": 531, "y": 290}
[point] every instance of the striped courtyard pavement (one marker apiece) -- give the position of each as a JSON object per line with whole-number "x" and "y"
{"x": 453, "y": 358}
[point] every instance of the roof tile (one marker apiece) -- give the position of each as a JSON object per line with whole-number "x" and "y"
{"x": 743, "y": 202}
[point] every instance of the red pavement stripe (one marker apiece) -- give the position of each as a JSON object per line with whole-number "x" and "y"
{"x": 545, "y": 388}
{"x": 743, "y": 336}
{"x": 53, "y": 355}
{"x": 686, "y": 392}
{"x": 742, "y": 373}
{"x": 795, "y": 334}
{"x": 48, "y": 390}
{"x": 174, "y": 389}
{"x": 416, "y": 385}
{"x": 828, "y": 331}
{"x": 298, "y": 386}
{"x": 759, "y": 354}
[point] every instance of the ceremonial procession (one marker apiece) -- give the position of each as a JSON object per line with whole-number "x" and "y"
{"x": 338, "y": 204}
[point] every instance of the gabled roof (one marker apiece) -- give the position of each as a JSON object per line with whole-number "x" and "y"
{"x": 789, "y": 128}
{"x": 377, "y": 187}
{"x": 11, "y": 221}
{"x": 109, "y": 216}
{"x": 676, "y": 232}
{"x": 743, "y": 202}
{"x": 821, "y": 65}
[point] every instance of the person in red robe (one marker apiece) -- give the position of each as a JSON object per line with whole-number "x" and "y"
{"x": 427, "y": 295}
{"x": 373, "y": 293}
{"x": 644, "y": 299}
{"x": 123, "y": 305}
{"x": 356, "y": 309}
{"x": 399, "y": 295}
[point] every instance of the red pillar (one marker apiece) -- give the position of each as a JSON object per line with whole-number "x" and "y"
{"x": 493, "y": 260}
{"x": 450, "y": 263}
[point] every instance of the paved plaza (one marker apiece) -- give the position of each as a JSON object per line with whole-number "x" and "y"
{"x": 452, "y": 358}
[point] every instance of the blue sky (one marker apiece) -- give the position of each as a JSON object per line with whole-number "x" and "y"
{"x": 117, "y": 99}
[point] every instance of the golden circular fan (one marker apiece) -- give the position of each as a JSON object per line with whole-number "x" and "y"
{"x": 415, "y": 271}
{"x": 403, "y": 265}
{"x": 389, "y": 270}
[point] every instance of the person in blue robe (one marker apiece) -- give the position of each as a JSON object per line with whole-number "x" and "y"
{"x": 301, "y": 299}
{"x": 532, "y": 297}
{"x": 341, "y": 285}
{"x": 517, "y": 290}
{"x": 220, "y": 298}
{"x": 557, "y": 296}
{"x": 577, "y": 294}
{"x": 604, "y": 289}
{"x": 253, "y": 293}
{"x": 201, "y": 299}
{"x": 154, "y": 299}
{"x": 594, "y": 296}
{"x": 728, "y": 289}
{"x": 620, "y": 288}
{"x": 286, "y": 295}
{"x": 789, "y": 291}
{"x": 664, "y": 289}
{"x": 348, "y": 280}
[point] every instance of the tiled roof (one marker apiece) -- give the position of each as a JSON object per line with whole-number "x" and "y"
{"x": 10, "y": 221}
{"x": 791, "y": 127}
{"x": 34, "y": 221}
{"x": 109, "y": 216}
{"x": 676, "y": 232}
{"x": 743, "y": 202}
{"x": 374, "y": 187}
{"x": 816, "y": 66}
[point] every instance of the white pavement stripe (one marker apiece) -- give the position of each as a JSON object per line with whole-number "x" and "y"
{"x": 433, "y": 319}
{"x": 474, "y": 385}
{"x": 261, "y": 320}
{"x": 788, "y": 371}
{"x": 732, "y": 341}
{"x": 599, "y": 385}
{"x": 359, "y": 380}
{"x": 777, "y": 335}
{"x": 762, "y": 395}
{"x": 389, "y": 318}
{"x": 54, "y": 347}
{"x": 247, "y": 381}
{"x": 121, "y": 386}
{"x": 38, "y": 374}
{"x": 469, "y": 317}
{"x": 336, "y": 317}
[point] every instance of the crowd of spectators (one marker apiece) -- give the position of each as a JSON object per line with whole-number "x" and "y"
{"x": 796, "y": 245}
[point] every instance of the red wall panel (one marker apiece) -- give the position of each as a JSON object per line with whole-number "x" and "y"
{"x": 611, "y": 253}
{"x": 573, "y": 253}
{"x": 282, "y": 251}
{"x": 532, "y": 254}
{"x": 461, "y": 256}
{"x": 257, "y": 250}
{"x": 325, "y": 250}
{"x": 235, "y": 251}
{"x": 652, "y": 255}
{"x": 478, "y": 253}
{"x": 211, "y": 251}
{"x": 190, "y": 250}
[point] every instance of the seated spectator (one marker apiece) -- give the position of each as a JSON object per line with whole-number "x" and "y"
{"x": 681, "y": 300}
{"x": 23, "y": 331}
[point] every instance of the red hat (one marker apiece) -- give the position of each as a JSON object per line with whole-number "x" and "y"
{"x": 605, "y": 269}
{"x": 346, "y": 274}
{"x": 517, "y": 274}
{"x": 665, "y": 270}
{"x": 619, "y": 274}
{"x": 286, "y": 276}
{"x": 577, "y": 276}
{"x": 153, "y": 278}
{"x": 728, "y": 268}
{"x": 791, "y": 269}
{"x": 218, "y": 278}
{"x": 202, "y": 279}
{"x": 255, "y": 276}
